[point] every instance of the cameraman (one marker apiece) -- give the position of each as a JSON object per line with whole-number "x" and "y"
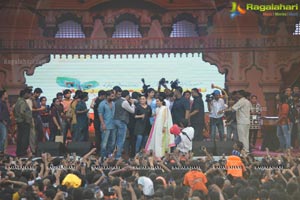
{"x": 216, "y": 113}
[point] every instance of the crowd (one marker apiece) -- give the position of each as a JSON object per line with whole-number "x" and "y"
{"x": 160, "y": 128}
{"x": 174, "y": 176}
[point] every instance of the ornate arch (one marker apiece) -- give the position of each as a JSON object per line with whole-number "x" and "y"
{"x": 69, "y": 16}
{"x": 185, "y": 16}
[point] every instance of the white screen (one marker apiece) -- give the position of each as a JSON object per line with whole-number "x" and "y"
{"x": 126, "y": 72}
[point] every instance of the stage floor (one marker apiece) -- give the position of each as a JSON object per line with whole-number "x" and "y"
{"x": 11, "y": 149}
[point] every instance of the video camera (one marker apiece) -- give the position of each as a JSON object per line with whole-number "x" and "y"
{"x": 209, "y": 97}
{"x": 163, "y": 81}
{"x": 175, "y": 84}
{"x": 145, "y": 87}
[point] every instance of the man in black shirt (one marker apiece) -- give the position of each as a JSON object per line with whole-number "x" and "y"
{"x": 181, "y": 107}
{"x": 197, "y": 114}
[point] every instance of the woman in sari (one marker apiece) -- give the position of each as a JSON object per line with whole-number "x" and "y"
{"x": 160, "y": 139}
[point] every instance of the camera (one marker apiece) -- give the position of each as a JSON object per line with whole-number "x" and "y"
{"x": 124, "y": 184}
{"x": 145, "y": 87}
{"x": 175, "y": 84}
{"x": 209, "y": 97}
{"x": 163, "y": 81}
{"x": 111, "y": 190}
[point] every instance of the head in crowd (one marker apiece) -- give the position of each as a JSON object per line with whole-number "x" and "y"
{"x": 67, "y": 93}
{"x": 178, "y": 92}
{"x": 160, "y": 102}
{"x": 117, "y": 91}
{"x": 143, "y": 100}
{"x": 288, "y": 92}
{"x": 231, "y": 102}
{"x": 195, "y": 93}
{"x": 60, "y": 96}
{"x": 84, "y": 96}
{"x": 238, "y": 145}
{"x": 167, "y": 91}
{"x": 187, "y": 94}
{"x": 253, "y": 99}
{"x": 296, "y": 89}
{"x": 77, "y": 94}
{"x": 37, "y": 92}
{"x": 150, "y": 93}
{"x": 217, "y": 94}
{"x": 242, "y": 93}
{"x": 234, "y": 96}
{"x": 55, "y": 102}
{"x": 110, "y": 95}
{"x": 125, "y": 94}
{"x": 135, "y": 95}
{"x": 3, "y": 95}
{"x": 43, "y": 100}
{"x": 26, "y": 93}
{"x": 101, "y": 94}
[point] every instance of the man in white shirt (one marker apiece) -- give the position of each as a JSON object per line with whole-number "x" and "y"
{"x": 242, "y": 108}
{"x": 184, "y": 141}
{"x": 215, "y": 108}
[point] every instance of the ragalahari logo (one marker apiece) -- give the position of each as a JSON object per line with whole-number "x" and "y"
{"x": 236, "y": 10}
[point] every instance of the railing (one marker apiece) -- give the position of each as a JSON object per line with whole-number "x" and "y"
{"x": 142, "y": 45}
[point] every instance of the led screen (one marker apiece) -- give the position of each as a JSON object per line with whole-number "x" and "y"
{"x": 92, "y": 73}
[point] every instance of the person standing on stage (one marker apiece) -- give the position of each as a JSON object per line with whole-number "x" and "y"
{"x": 242, "y": 108}
{"x": 283, "y": 130}
{"x": 82, "y": 118}
{"x": 160, "y": 139}
{"x": 66, "y": 124}
{"x": 143, "y": 112}
{"x": 197, "y": 114}
{"x": 97, "y": 124}
{"x": 4, "y": 120}
{"x": 121, "y": 118}
{"x": 106, "y": 112}
{"x": 181, "y": 107}
{"x": 36, "y": 114}
{"x": 73, "y": 105}
{"x": 255, "y": 114}
{"x": 55, "y": 122}
{"x": 23, "y": 116}
{"x": 215, "y": 108}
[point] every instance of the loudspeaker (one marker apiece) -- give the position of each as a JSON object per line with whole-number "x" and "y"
{"x": 80, "y": 148}
{"x": 216, "y": 149}
{"x": 54, "y": 148}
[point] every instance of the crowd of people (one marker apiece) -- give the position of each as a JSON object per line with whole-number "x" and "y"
{"x": 175, "y": 176}
{"x": 160, "y": 128}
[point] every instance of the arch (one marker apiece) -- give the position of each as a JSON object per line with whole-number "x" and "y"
{"x": 185, "y": 16}
{"x": 184, "y": 28}
{"x": 69, "y": 16}
{"x": 67, "y": 22}
{"x": 127, "y": 17}
{"x": 127, "y": 26}
{"x": 69, "y": 29}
